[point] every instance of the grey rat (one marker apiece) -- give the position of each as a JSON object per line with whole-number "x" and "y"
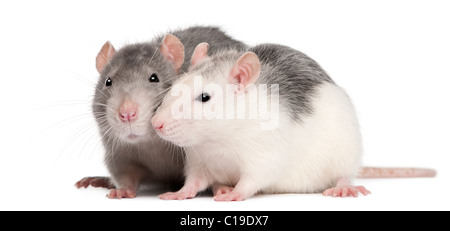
{"x": 315, "y": 146}
{"x": 132, "y": 82}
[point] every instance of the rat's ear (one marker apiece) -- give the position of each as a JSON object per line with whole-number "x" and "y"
{"x": 104, "y": 56}
{"x": 173, "y": 50}
{"x": 246, "y": 70}
{"x": 200, "y": 52}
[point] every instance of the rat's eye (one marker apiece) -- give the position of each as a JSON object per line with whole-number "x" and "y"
{"x": 153, "y": 78}
{"x": 108, "y": 82}
{"x": 204, "y": 97}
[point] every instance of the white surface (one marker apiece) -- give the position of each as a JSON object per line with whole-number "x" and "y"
{"x": 392, "y": 57}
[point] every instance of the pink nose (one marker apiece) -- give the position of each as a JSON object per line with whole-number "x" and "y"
{"x": 128, "y": 112}
{"x": 157, "y": 124}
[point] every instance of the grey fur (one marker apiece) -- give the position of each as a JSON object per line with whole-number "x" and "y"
{"x": 296, "y": 74}
{"x": 217, "y": 40}
{"x": 130, "y": 68}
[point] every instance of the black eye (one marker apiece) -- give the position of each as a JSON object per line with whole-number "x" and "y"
{"x": 108, "y": 82}
{"x": 204, "y": 97}
{"x": 153, "y": 78}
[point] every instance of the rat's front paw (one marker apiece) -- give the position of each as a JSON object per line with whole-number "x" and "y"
{"x": 231, "y": 196}
{"x": 180, "y": 195}
{"x": 221, "y": 189}
{"x": 121, "y": 193}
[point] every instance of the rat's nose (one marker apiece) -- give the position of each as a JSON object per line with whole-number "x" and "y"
{"x": 128, "y": 111}
{"x": 157, "y": 124}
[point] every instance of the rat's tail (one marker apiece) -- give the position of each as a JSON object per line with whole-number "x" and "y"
{"x": 371, "y": 172}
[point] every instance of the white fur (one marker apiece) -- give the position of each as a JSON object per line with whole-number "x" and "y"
{"x": 297, "y": 157}
{"x": 325, "y": 147}
{"x": 307, "y": 157}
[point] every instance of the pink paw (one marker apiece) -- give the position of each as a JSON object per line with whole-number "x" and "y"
{"x": 346, "y": 191}
{"x": 121, "y": 193}
{"x": 231, "y": 196}
{"x": 103, "y": 182}
{"x": 223, "y": 189}
{"x": 180, "y": 195}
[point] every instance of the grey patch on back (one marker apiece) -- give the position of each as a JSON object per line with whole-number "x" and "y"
{"x": 296, "y": 74}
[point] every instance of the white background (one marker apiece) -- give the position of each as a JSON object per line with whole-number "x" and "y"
{"x": 393, "y": 58}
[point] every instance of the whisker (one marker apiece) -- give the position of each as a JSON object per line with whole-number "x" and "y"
{"x": 79, "y": 132}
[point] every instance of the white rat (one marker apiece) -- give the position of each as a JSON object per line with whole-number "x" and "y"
{"x": 315, "y": 145}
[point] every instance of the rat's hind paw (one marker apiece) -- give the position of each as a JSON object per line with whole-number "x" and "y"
{"x": 346, "y": 191}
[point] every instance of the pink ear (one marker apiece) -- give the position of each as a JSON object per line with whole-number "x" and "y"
{"x": 200, "y": 53}
{"x": 246, "y": 70}
{"x": 173, "y": 50}
{"x": 104, "y": 56}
